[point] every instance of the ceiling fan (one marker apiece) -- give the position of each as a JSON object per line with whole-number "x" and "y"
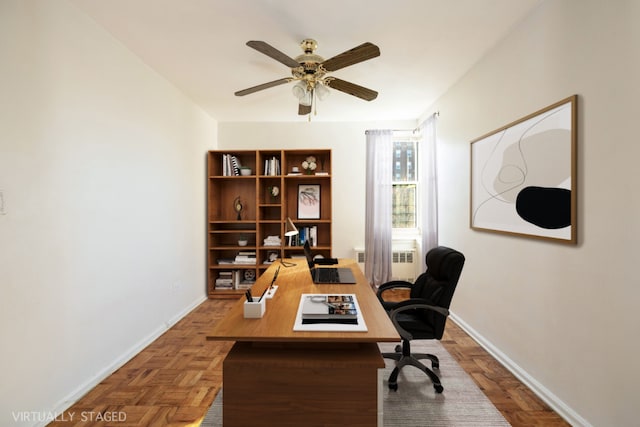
{"x": 310, "y": 72}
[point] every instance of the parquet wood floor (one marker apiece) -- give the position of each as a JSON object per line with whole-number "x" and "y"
{"x": 175, "y": 379}
{"x": 514, "y": 400}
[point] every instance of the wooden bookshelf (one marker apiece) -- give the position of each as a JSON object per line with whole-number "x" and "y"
{"x": 262, "y": 214}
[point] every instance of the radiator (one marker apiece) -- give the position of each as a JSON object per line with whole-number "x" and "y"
{"x": 404, "y": 263}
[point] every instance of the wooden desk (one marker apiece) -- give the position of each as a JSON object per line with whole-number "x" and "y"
{"x": 277, "y": 376}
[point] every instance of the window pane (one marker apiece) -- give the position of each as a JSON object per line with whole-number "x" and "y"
{"x": 404, "y": 206}
{"x": 404, "y": 154}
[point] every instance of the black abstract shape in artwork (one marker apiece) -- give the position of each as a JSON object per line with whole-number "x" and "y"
{"x": 545, "y": 207}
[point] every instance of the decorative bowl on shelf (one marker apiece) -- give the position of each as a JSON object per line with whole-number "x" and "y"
{"x": 242, "y": 242}
{"x": 245, "y": 171}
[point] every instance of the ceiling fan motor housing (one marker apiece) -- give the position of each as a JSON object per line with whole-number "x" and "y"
{"x": 308, "y": 45}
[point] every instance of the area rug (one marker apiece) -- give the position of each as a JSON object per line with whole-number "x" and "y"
{"x": 416, "y": 404}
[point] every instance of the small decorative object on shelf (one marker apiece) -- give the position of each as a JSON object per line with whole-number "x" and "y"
{"x": 245, "y": 171}
{"x": 243, "y": 240}
{"x": 309, "y": 165}
{"x": 238, "y": 207}
{"x": 322, "y": 171}
{"x": 274, "y": 191}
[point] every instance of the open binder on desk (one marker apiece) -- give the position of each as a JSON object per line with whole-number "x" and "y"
{"x": 329, "y": 309}
{"x": 329, "y": 312}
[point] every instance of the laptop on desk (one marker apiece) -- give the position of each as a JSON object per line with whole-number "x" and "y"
{"x": 327, "y": 275}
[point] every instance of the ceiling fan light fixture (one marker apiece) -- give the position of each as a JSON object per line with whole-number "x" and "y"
{"x": 299, "y": 90}
{"x": 321, "y": 91}
{"x": 307, "y": 99}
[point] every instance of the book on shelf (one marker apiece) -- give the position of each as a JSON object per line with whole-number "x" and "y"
{"x": 245, "y": 257}
{"x": 328, "y": 308}
{"x": 272, "y": 166}
{"x": 309, "y": 233}
{"x": 230, "y": 165}
{"x": 272, "y": 241}
{"x": 247, "y": 261}
{"x": 322, "y": 173}
{"x": 246, "y": 254}
{"x": 225, "y": 280}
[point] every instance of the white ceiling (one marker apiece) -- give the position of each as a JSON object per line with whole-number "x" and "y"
{"x": 199, "y": 46}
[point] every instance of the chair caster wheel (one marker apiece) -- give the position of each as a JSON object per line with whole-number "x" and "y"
{"x": 398, "y": 349}
{"x": 393, "y": 386}
{"x": 438, "y": 388}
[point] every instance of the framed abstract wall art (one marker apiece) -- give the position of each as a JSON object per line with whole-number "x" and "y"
{"x": 523, "y": 176}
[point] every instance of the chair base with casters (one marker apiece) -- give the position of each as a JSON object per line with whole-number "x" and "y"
{"x": 404, "y": 357}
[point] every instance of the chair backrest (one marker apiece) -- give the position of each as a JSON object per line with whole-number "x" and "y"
{"x": 438, "y": 283}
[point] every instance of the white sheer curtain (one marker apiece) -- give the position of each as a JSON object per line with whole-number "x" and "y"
{"x": 378, "y": 222}
{"x": 428, "y": 179}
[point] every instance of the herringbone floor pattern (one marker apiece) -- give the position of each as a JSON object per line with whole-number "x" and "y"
{"x": 176, "y": 378}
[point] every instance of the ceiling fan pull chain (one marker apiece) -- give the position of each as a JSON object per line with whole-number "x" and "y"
{"x": 315, "y": 103}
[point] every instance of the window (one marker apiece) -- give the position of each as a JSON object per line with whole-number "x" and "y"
{"x": 405, "y": 183}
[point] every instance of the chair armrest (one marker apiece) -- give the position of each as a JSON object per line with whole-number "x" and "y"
{"x": 395, "y": 284}
{"x": 413, "y": 304}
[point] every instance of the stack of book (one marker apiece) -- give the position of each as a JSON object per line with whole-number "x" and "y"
{"x": 245, "y": 257}
{"x": 329, "y": 309}
{"x": 225, "y": 280}
{"x": 272, "y": 241}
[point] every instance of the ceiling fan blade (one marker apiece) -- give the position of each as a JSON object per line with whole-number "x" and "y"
{"x": 352, "y": 89}
{"x": 352, "y": 56}
{"x": 274, "y": 53}
{"x": 303, "y": 110}
{"x": 262, "y": 86}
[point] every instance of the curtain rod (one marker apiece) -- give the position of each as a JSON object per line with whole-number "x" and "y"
{"x": 414, "y": 130}
{"x": 436, "y": 114}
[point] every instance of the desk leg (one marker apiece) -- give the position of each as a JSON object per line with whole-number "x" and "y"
{"x": 301, "y": 385}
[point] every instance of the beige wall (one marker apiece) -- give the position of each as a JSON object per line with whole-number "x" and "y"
{"x": 564, "y": 317}
{"x": 101, "y": 167}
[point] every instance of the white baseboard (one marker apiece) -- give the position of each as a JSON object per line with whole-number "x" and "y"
{"x": 68, "y": 401}
{"x": 569, "y": 415}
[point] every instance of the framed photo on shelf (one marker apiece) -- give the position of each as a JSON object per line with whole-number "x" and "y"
{"x": 309, "y": 201}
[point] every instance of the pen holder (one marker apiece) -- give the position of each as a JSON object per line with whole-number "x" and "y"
{"x": 255, "y": 309}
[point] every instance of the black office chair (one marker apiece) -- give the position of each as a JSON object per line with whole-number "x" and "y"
{"x": 424, "y": 314}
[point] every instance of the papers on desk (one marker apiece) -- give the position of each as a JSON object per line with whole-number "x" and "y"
{"x": 329, "y": 312}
